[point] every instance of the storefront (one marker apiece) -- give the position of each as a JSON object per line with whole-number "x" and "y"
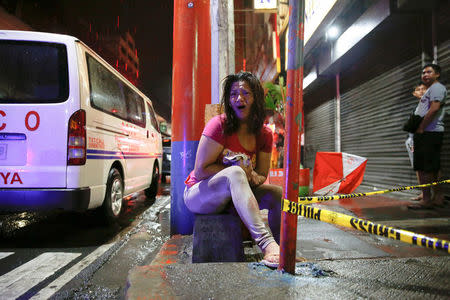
{"x": 362, "y": 96}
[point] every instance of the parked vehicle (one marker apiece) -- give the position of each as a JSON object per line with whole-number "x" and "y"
{"x": 167, "y": 158}
{"x": 74, "y": 133}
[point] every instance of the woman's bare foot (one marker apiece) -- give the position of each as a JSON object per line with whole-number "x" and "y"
{"x": 272, "y": 249}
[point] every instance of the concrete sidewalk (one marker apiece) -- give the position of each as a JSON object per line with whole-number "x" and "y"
{"x": 341, "y": 263}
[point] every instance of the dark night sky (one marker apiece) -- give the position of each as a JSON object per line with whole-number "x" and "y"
{"x": 153, "y": 21}
{"x": 149, "y": 21}
{"x": 154, "y": 40}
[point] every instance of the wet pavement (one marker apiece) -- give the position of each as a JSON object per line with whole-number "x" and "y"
{"x": 100, "y": 255}
{"x": 340, "y": 262}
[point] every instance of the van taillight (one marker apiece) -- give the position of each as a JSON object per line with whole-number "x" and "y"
{"x": 76, "y": 142}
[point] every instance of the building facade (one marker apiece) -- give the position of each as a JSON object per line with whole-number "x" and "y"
{"x": 358, "y": 84}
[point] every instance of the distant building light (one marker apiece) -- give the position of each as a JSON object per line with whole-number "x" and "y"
{"x": 315, "y": 12}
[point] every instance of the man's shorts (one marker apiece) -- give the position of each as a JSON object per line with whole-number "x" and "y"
{"x": 427, "y": 151}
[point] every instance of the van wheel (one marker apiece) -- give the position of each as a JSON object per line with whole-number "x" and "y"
{"x": 112, "y": 205}
{"x": 153, "y": 189}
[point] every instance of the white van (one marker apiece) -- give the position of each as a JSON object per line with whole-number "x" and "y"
{"x": 74, "y": 133}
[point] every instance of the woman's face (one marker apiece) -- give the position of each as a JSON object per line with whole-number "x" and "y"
{"x": 419, "y": 91}
{"x": 241, "y": 99}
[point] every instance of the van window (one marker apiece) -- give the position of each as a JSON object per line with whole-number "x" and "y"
{"x": 153, "y": 117}
{"x": 33, "y": 72}
{"x": 106, "y": 90}
{"x": 110, "y": 95}
{"x": 135, "y": 107}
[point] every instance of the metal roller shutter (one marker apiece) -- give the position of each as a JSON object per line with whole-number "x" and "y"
{"x": 372, "y": 116}
{"x": 319, "y": 131}
{"x": 444, "y": 62}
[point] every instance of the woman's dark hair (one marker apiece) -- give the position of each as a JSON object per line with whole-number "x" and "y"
{"x": 257, "y": 114}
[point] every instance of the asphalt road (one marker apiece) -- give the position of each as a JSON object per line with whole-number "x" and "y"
{"x": 67, "y": 255}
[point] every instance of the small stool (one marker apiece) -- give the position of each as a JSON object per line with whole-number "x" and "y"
{"x": 217, "y": 238}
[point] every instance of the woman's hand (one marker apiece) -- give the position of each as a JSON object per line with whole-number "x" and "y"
{"x": 255, "y": 179}
{"x": 259, "y": 174}
{"x": 247, "y": 167}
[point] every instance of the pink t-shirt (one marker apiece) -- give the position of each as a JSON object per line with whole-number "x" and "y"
{"x": 231, "y": 144}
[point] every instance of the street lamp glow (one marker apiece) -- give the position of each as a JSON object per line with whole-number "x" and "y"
{"x": 332, "y": 32}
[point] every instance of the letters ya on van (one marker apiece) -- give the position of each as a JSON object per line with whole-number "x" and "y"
{"x": 74, "y": 133}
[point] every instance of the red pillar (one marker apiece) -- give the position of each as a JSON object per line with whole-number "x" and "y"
{"x": 191, "y": 91}
{"x": 294, "y": 120}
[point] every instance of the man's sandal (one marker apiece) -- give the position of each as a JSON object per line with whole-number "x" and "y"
{"x": 420, "y": 206}
{"x": 418, "y": 198}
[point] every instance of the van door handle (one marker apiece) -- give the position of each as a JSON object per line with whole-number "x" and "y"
{"x": 147, "y": 133}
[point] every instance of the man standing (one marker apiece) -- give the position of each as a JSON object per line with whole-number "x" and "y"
{"x": 429, "y": 136}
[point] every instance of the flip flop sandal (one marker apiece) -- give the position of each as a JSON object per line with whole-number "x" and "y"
{"x": 420, "y": 206}
{"x": 275, "y": 264}
{"x": 272, "y": 265}
{"x": 418, "y": 198}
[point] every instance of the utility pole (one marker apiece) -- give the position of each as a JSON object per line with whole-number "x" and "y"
{"x": 294, "y": 120}
{"x": 191, "y": 91}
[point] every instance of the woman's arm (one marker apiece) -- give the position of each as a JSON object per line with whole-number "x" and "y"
{"x": 259, "y": 174}
{"x": 429, "y": 116}
{"x": 206, "y": 160}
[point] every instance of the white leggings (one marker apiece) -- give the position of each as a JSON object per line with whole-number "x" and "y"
{"x": 214, "y": 193}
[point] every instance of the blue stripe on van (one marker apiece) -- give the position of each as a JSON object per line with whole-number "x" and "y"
{"x": 97, "y": 154}
{"x": 121, "y": 157}
{"x": 102, "y": 157}
{"x": 103, "y": 151}
{"x": 115, "y": 152}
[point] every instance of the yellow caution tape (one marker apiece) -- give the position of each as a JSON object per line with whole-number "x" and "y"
{"x": 364, "y": 225}
{"x": 309, "y": 200}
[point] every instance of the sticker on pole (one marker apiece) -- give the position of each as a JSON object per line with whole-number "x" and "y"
{"x": 337, "y": 172}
